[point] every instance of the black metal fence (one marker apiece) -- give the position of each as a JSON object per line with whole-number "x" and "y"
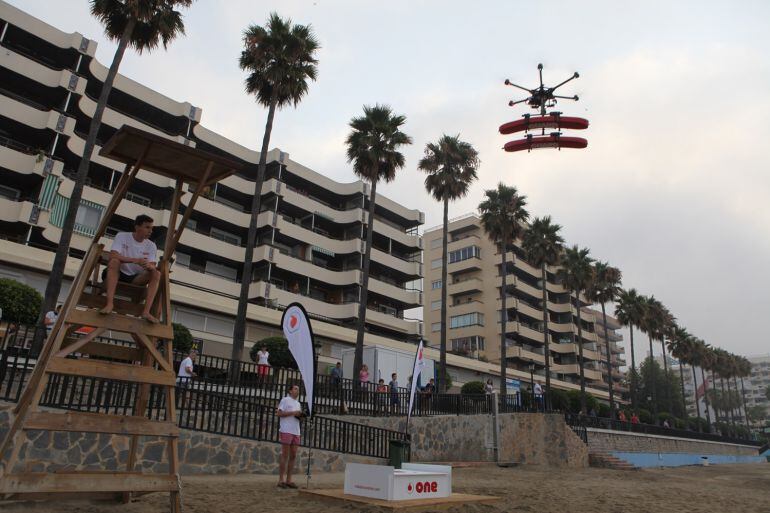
{"x": 202, "y": 405}
{"x": 649, "y": 429}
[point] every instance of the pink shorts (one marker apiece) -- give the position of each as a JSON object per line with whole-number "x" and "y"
{"x": 263, "y": 370}
{"x": 288, "y": 438}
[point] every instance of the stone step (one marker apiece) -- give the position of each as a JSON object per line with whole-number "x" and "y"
{"x": 603, "y": 459}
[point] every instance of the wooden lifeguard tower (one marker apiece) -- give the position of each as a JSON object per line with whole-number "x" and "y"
{"x": 150, "y": 358}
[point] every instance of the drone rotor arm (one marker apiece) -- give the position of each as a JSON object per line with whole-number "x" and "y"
{"x": 508, "y": 82}
{"x": 567, "y": 97}
{"x": 573, "y": 77}
{"x": 512, "y": 103}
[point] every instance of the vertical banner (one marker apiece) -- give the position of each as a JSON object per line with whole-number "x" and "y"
{"x": 419, "y": 364}
{"x": 296, "y": 329}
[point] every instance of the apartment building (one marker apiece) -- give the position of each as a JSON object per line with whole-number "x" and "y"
{"x": 311, "y": 234}
{"x": 617, "y": 352}
{"x": 474, "y": 312}
{"x": 758, "y": 383}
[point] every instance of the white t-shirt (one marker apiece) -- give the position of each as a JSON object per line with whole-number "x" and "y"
{"x": 289, "y": 424}
{"x": 262, "y": 357}
{"x": 126, "y": 245}
{"x": 50, "y": 316}
{"x": 183, "y": 373}
{"x": 538, "y": 389}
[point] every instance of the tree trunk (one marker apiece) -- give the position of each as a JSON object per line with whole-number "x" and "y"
{"x": 666, "y": 380}
{"x": 580, "y": 357}
{"x": 633, "y": 368}
{"x": 653, "y": 394}
{"x": 503, "y": 319}
{"x": 706, "y": 397}
{"x": 444, "y": 285}
{"x": 743, "y": 400}
{"x": 361, "y": 324}
{"x": 684, "y": 402}
{"x": 547, "y": 337}
{"x": 609, "y": 362}
{"x": 53, "y": 287}
{"x": 716, "y": 402}
{"x": 239, "y": 331}
{"x": 695, "y": 394}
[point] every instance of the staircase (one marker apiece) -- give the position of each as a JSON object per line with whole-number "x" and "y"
{"x": 604, "y": 459}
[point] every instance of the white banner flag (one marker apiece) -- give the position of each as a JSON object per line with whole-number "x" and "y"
{"x": 296, "y": 328}
{"x": 419, "y": 365}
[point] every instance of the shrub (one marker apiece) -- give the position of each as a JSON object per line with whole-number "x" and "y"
{"x": 574, "y": 402}
{"x": 472, "y": 387}
{"x": 604, "y": 410}
{"x": 698, "y": 424}
{"x": 559, "y": 399}
{"x": 645, "y": 416}
{"x": 183, "y": 339}
{"x": 20, "y": 303}
{"x": 278, "y": 347}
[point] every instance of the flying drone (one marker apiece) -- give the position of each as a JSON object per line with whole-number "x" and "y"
{"x": 543, "y": 98}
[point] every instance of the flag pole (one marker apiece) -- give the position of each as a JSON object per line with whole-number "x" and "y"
{"x": 311, "y": 427}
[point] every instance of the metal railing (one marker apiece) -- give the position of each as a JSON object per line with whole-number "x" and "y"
{"x": 651, "y": 429}
{"x": 202, "y": 406}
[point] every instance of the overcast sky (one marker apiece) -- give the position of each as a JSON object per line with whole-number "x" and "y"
{"x": 673, "y": 188}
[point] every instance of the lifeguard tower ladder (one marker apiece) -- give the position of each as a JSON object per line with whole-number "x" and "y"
{"x": 148, "y": 362}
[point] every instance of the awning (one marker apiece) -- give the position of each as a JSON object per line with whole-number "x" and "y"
{"x": 323, "y": 251}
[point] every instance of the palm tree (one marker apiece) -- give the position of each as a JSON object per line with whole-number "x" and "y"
{"x": 142, "y": 25}
{"x": 630, "y": 310}
{"x": 696, "y": 359}
{"x": 373, "y": 148}
{"x": 280, "y": 59}
{"x": 681, "y": 347}
{"x": 576, "y": 274}
{"x": 543, "y": 246}
{"x": 502, "y": 217}
{"x": 744, "y": 371}
{"x": 706, "y": 363}
{"x": 451, "y": 165}
{"x": 605, "y": 287}
{"x": 656, "y": 324}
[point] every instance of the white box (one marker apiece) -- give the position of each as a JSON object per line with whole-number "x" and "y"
{"x": 414, "y": 481}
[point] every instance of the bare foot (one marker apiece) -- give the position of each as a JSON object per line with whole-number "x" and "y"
{"x": 107, "y": 310}
{"x": 150, "y": 318}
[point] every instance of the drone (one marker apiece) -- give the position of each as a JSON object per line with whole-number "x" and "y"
{"x": 542, "y": 97}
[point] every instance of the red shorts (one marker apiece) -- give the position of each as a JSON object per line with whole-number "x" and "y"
{"x": 288, "y": 438}
{"x": 263, "y": 370}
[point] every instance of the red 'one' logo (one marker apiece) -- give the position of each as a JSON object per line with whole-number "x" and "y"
{"x": 293, "y": 321}
{"x": 424, "y": 487}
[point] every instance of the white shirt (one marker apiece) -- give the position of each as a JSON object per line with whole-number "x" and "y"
{"x": 262, "y": 357}
{"x": 538, "y": 389}
{"x": 183, "y": 372}
{"x": 289, "y": 424}
{"x": 50, "y": 316}
{"x": 127, "y": 246}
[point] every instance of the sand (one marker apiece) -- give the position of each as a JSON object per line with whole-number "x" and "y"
{"x": 717, "y": 489}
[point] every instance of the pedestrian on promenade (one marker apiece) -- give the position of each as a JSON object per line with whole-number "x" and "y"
{"x": 289, "y": 413}
{"x": 622, "y": 416}
{"x": 50, "y": 319}
{"x": 489, "y": 388}
{"x": 382, "y": 396}
{"x": 634, "y": 418}
{"x": 263, "y": 363}
{"x": 394, "y": 399}
{"x": 539, "y": 396}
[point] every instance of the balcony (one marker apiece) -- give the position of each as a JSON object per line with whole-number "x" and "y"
{"x": 470, "y": 285}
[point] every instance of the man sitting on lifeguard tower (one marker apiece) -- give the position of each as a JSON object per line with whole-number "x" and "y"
{"x": 133, "y": 259}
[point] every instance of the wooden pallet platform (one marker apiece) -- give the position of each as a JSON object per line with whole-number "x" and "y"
{"x": 410, "y": 505}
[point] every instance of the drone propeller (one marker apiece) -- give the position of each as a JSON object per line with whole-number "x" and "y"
{"x": 508, "y": 82}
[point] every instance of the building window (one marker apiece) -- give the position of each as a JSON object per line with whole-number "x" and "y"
{"x": 9, "y": 193}
{"x": 435, "y": 305}
{"x": 464, "y": 254}
{"x": 468, "y": 344}
{"x": 221, "y": 270}
{"x": 436, "y": 264}
{"x": 469, "y": 319}
{"x": 182, "y": 259}
{"x": 88, "y": 217}
{"x": 435, "y": 243}
{"x": 225, "y": 237}
{"x": 435, "y": 284}
{"x": 436, "y": 326}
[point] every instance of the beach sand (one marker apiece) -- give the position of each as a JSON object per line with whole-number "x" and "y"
{"x": 717, "y": 489}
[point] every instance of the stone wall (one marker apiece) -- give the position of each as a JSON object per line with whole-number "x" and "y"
{"x": 199, "y": 453}
{"x": 616, "y": 441}
{"x": 524, "y": 438}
